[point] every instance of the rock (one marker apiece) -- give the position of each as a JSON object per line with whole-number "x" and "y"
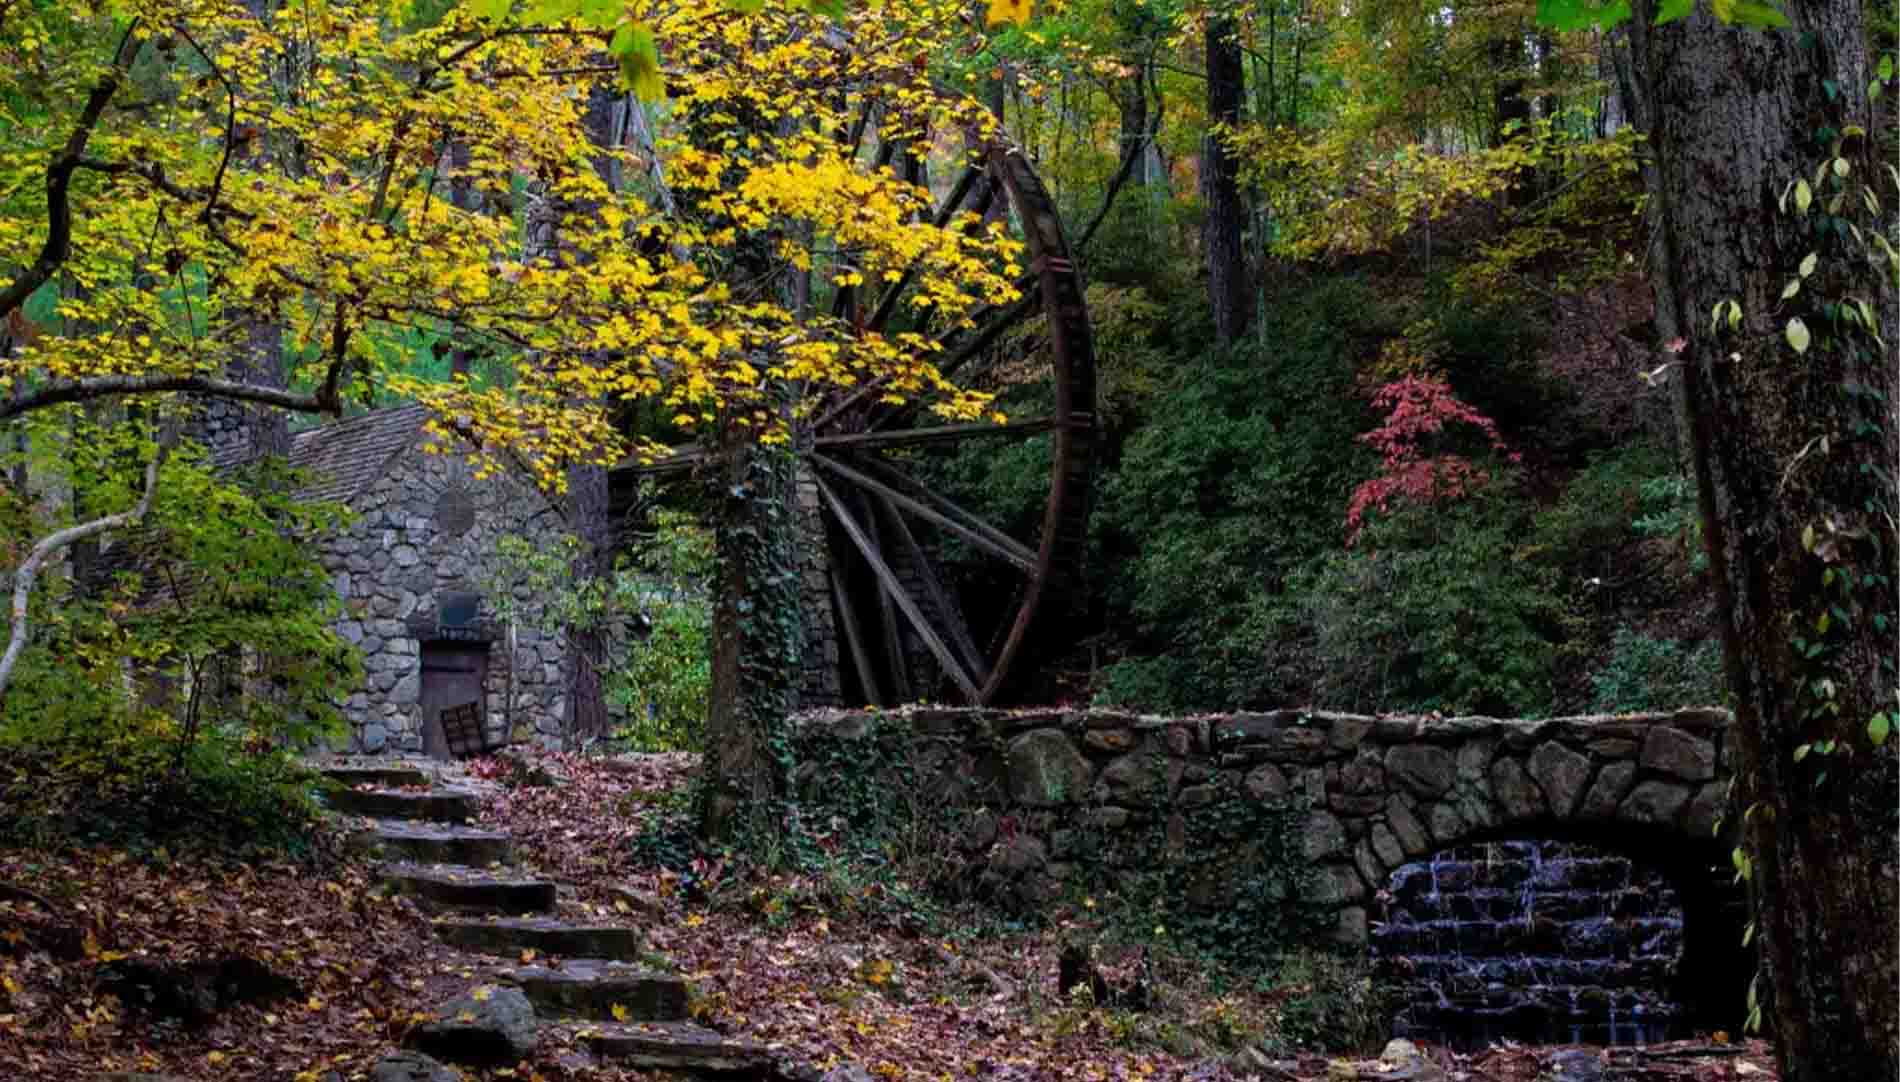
{"x": 1046, "y": 770}
{"x": 1607, "y": 792}
{"x": 1351, "y": 928}
{"x": 1447, "y": 825}
{"x": 590, "y": 988}
{"x": 1654, "y": 802}
{"x": 979, "y": 831}
{"x": 1266, "y": 782}
{"x": 1573, "y": 1065}
{"x": 1334, "y": 884}
{"x": 1406, "y": 827}
{"x": 1402, "y": 1061}
{"x": 1324, "y": 835}
{"x": 509, "y": 936}
{"x": 192, "y": 991}
{"x": 1119, "y": 738}
{"x": 412, "y": 1067}
{"x": 1386, "y": 844}
{"x": 489, "y": 1027}
{"x": 644, "y": 902}
{"x": 1140, "y": 777}
{"x": 1673, "y": 751}
{"x": 1706, "y": 809}
{"x": 678, "y": 1046}
{"x": 1562, "y": 773}
{"x": 1513, "y": 789}
{"x": 1425, "y": 770}
{"x": 1019, "y": 855}
{"x": 1370, "y": 869}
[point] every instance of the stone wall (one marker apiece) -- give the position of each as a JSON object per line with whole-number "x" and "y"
{"x": 425, "y": 530}
{"x": 1373, "y": 793}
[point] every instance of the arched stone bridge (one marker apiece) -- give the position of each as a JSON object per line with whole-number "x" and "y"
{"x": 1373, "y": 794}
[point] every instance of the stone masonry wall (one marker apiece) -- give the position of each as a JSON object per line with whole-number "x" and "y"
{"x": 424, "y": 529}
{"x": 1376, "y": 793}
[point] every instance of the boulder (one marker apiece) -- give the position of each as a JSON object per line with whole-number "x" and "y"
{"x": 1512, "y": 787}
{"x": 1324, "y": 835}
{"x": 1655, "y": 802}
{"x": 489, "y": 1027}
{"x": 412, "y": 1067}
{"x": 1607, "y": 792}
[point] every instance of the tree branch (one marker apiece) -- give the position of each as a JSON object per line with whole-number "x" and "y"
{"x": 115, "y": 386}
{"x": 61, "y": 539}
{"x": 59, "y": 176}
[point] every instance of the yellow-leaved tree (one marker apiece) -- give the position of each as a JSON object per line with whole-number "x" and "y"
{"x": 273, "y": 203}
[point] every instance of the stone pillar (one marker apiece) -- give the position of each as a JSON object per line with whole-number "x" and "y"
{"x": 820, "y": 686}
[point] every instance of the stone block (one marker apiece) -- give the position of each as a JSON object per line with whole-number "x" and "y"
{"x": 1563, "y": 774}
{"x": 1323, "y": 836}
{"x": 1710, "y": 802}
{"x": 1654, "y": 803}
{"x": 1422, "y": 769}
{"x": 1046, "y": 770}
{"x": 1673, "y": 751}
{"x": 1351, "y": 928}
{"x": 1334, "y": 884}
{"x": 1607, "y": 792}
{"x": 1266, "y": 782}
{"x": 1406, "y": 827}
{"x": 1386, "y": 845}
{"x": 1140, "y": 777}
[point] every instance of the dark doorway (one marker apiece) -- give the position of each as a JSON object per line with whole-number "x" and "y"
{"x": 453, "y": 674}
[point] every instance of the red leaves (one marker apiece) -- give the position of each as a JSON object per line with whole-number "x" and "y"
{"x": 1418, "y": 409}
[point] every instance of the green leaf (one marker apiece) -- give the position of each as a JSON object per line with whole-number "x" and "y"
{"x": 1753, "y": 14}
{"x": 1586, "y": 14}
{"x": 1668, "y": 11}
{"x": 1879, "y": 727}
{"x": 639, "y": 57}
{"x": 1801, "y": 752}
{"x": 1789, "y": 290}
{"x": 1803, "y": 196}
{"x": 491, "y": 11}
{"x": 1798, "y": 335}
{"x": 746, "y": 7}
{"x": 1809, "y": 262}
{"x": 1885, "y": 69}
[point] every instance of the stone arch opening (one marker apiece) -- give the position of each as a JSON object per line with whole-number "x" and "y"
{"x": 1564, "y": 932}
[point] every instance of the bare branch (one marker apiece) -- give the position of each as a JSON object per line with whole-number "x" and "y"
{"x": 118, "y": 386}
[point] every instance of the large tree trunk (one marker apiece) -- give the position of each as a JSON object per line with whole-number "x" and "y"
{"x": 1227, "y": 290}
{"x": 1792, "y": 523}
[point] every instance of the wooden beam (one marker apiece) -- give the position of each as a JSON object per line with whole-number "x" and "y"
{"x": 983, "y": 536}
{"x": 908, "y": 437}
{"x": 855, "y": 531}
{"x": 854, "y": 638}
{"x": 959, "y": 631}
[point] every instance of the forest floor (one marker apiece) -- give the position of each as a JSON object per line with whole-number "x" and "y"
{"x": 828, "y": 970}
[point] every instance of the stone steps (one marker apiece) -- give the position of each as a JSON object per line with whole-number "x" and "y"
{"x": 392, "y": 776}
{"x": 438, "y": 805}
{"x": 543, "y": 935}
{"x": 677, "y": 1046}
{"x": 458, "y": 887}
{"x": 593, "y": 988}
{"x": 436, "y": 843}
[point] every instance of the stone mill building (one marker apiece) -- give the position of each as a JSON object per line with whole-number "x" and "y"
{"x": 412, "y": 568}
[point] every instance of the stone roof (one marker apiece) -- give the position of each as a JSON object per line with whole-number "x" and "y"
{"x": 341, "y": 459}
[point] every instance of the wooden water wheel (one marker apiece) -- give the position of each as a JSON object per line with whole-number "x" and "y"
{"x": 902, "y": 630}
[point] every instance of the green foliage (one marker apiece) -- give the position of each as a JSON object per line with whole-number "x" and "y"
{"x": 1217, "y": 502}
{"x": 1620, "y": 494}
{"x": 1230, "y": 886}
{"x": 1645, "y": 673}
{"x": 652, "y": 612}
{"x": 1325, "y": 1002}
{"x": 1434, "y": 609}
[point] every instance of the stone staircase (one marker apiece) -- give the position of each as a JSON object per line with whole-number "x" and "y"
{"x": 592, "y": 979}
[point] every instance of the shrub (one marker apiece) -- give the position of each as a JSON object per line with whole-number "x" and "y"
{"x": 1645, "y": 673}
{"x": 1324, "y": 1002}
{"x": 1433, "y": 609}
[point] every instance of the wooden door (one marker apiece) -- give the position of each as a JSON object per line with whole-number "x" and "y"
{"x": 453, "y": 674}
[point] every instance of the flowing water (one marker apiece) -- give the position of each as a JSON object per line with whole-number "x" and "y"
{"x": 1532, "y": 941}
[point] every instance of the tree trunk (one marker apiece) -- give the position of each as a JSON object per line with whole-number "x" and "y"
{"x": 1791, "y": 523}
{"x": 757, "y": 636}
{"x": 1227, "y": 290}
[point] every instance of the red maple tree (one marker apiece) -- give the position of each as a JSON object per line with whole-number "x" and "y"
{"x": 1418, "y": 407}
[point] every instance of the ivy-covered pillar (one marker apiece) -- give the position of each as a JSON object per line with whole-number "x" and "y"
{"x": 757, "y": 636}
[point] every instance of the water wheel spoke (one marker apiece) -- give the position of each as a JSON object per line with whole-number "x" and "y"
{"x": 893, "y": 587}
{"x": 912, "y": 437}
{"x": 944, "y": 514}
{"x": 947, "y": 611}
{"x": 854, "y": 640}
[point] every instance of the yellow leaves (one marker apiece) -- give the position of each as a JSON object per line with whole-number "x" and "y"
{"x": 1006, "y": 12}
{"x": 485, "y": 992}
{"x": 214, "y": 1058}
{"x": 620, "y": 1013}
